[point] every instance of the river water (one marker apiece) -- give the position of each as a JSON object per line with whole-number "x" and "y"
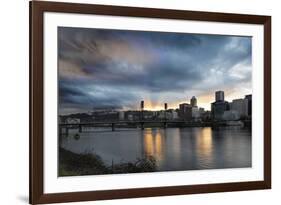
{"x": 173, "y": 148}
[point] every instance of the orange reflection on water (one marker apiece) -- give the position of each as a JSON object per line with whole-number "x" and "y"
{"x": 204, "y": 143}
{"x": 158, "y": 145}
{"x": 153, "y": 143}
{"x": 148, "y": 143}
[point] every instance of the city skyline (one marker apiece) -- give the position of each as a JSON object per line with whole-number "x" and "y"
{"x": 114, "y": 68}
{"x": 146, "y": 107}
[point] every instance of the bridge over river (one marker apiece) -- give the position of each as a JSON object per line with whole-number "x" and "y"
{"x": 142, "y": 124}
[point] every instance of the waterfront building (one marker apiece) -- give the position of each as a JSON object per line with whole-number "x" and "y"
{"x": 201, "y": 111}
{"x": 231, "y": 115}
{"x": 249, "y": 105}
{"x": 185, "y": 111}
{"x": 148, "y": 115}
{"x": 195, "y": 113}
{"x": 206, "y": 116}
{"x": 174, "y": 115}
{"x": 218, "y": 109}
{"x": 240, "y": 106}
{"x": 121, "y": 115}
{"x": 130, "y": 117}
{"x": 162, "y": 114}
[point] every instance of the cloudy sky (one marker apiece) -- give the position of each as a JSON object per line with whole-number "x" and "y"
{"x": 118, "y": 68}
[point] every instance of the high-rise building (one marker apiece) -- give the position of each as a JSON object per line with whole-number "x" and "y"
{"x": 193, "y": 101}
{"x": 219, "y": 96}
{"x": 219, "y": 106}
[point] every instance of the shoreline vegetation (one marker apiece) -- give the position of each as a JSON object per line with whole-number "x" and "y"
{"x": 73, "y": 164}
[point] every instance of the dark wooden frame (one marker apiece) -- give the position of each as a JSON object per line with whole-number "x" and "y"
{"x": 37, "y": 9}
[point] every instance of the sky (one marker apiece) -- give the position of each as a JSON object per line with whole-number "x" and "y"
{"x": 101, "y": 68}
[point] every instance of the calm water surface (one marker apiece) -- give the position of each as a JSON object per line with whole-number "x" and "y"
{"x": 173, "y": 148}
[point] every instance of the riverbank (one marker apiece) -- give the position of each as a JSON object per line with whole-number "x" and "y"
{"x": 73, "y": 164}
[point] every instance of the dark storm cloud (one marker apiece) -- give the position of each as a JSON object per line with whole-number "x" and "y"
{"x": 114, "y": 68}
{"x": 78, "y": 94}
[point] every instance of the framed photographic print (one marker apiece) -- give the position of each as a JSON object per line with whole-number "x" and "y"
{"x": 138, "y": 102}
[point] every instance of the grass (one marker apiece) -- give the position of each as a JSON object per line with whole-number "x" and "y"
{"x": 72, "y": 164}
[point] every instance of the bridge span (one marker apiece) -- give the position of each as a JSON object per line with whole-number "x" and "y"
{"x": 130, "y": 124}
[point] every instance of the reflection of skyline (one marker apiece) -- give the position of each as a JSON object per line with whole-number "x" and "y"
{"x": 198, "y": 146}
{"x": 155, "y": 143}
{"x": 174, "y": 149}
{"x": 115, "y": 68}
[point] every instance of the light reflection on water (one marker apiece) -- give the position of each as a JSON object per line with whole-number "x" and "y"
{"x": 173, "y": 148}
